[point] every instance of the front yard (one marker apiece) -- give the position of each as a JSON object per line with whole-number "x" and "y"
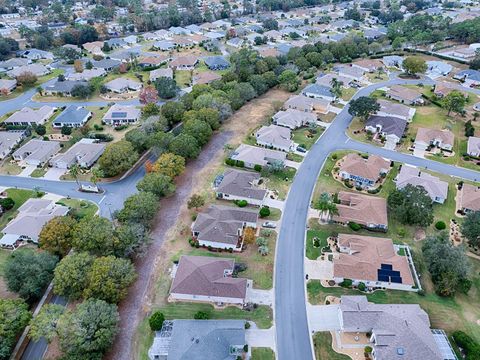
{"x": 322, "y": 344}
{"x": 307, "y": 137}
{"x": 263, "y": 354}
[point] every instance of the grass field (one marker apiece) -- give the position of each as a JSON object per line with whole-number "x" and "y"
{"x": 183, "y": 78}
{"x": 4, "y": 254}
{"x": 280, "y": 181}
{"x": 304, "y": 138}
{"x": 81, "y": 208}
{"x": 322, "y": 344}
{"x": 262, "y": 354}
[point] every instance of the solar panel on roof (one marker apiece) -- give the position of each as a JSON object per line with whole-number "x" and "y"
{"x": 396, "y": 279}
{"x": 386, "y": 267}
{"x": 119, "y": 114}
{"x": 383, "y": 278}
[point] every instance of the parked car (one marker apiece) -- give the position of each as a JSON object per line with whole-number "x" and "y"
{"x": 301, "y": 149}
{"x": 269, "y": 224}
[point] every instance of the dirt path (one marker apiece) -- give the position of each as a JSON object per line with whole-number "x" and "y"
{"x": 137, "y": 304}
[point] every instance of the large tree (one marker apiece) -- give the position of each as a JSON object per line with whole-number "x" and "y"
{"x": 471, "y": 228}
{"x": 28, "y": 272}
{"x": 185, "y": 145}
{"x": 363, "y": 107}
{"x": 414, "y": 65}
{"x": 173, "y": 112}
{"x": 117, "y": 158}
{"x": 14, "y": 316}
{"x": 169, "y": 164}
{"x": 411, "y": 205}
{"x": 199, "y": 129}
{"x": 109, "y": 278}
{"x": 167, "y": 88}
{"x": 96, "y": 235}
{"x": 45, "y": 323}
{"x": 71, "y": 275}
{"x": 326, "y": 205}
{"x": 159, "y": 184}
{"x": 89, "y": 330}
{"x": 139, "y": 208}
{"x": 454, "y": 101}
{"x": 289, "y": 80}
{"x": 56, "y": 235}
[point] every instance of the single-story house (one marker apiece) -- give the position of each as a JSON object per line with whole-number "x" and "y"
{"x": 473, "y": 146}
{"x": 389, "y": 108}
{"x": 86, "y": 75}
{"x": 36, "y": 54}
{"x": 30, "y": 117}
{"x": 443, "y": 139}
{"x": 275, "y": 137}
{"x": 13, "y": 63}
{"x": 122, "y": 85}
{"x": 205, "y": 77}
{"x": 216, "y": 62}
{"x": 236, "y": 184}
{"x": 187, "y": 62}
{"x": 106, "y": 64}
{"x": 368, "y": 65}
{"x": 73, "y": 116}
{"x": 84, "y": 153}
{"x": 254, "y": 155}
{"x": 152, "y": 61}
{"x": 307, "y": 104}
{"x": 294, "y": 119}
{"x": 363, "y": 172}
{"x": 319, "y": 91}
{"x": 354, "y": 73}
{"x": 8, "y": 141}
{"x": 469, "y": 77}
{"x": 121, "y": 115}
{"x": 35, "y": 69}
{"x": 442, "y": 89}
{"x": 365, "y": 259}
{"x": 164, "y": 45}
{"x": 393, "y": 61}
{"x": 163, "y": 72}
{"x": 409, "y": 175}
{"x": 94, "y": 47}
{"x": 389, "y": 127}
{"x": 222, "y": 227}
{"x": 7, "y": 85}
{"x": 438, "y": 68}
{"x": 326, "y": 80}
{"x": 235, "y": 42}
{"x": 36, "y": 152}
{"x": 207, "y": 279}
{"x": 405, "y": 95}
{"x": 63, "y": 88}
{"x": 367, "y": 211}
{"x": 469, "y": 198}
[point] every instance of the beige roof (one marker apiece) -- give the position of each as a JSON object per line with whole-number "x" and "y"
{"x": 327, "y": 80}
{"x": 208, "y": 276}
{"x": 365, "y": 255}
{"x": 404, "y": 93}
{"x": 30, "y": 115}
{"x": 432, "y": 184}
{"x": 469, "y": 197}
{"x": 394, "y": 108}
{"x": 370, "y": 168}
{"x": 189, "y": 60}
{"x": 361, "y": 209}
{"x": 257, "y": 155}
{"x": 426, "y": 135}
{"x": 473, "y": 145}
{"x": 294, "y": 118}
{"x": 270, "y": 51}
{"x": 370, "y": 64}
{"x": 305, "y": 103}
{"x": 242, "y": 184}
{"x": 275, "y": 135}
{"x": 205, "y": 77}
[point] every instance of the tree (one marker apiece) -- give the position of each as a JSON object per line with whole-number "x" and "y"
{"x": 471, "y": 228}
{"x": 41, "y": 129}
{"x": 289, "y": 81}
{"x": 133, "y": 239}
{"x": 96, "y": 235}
{"x": 150, "y": 109}
{"x": 28, "y": 273}
{"x": 74, "y": 170}
{"x": 45, "y": 323}
{"x": 196, "y": 201}
{"x": 414, "y": 65}
{"x": 117, "y": 158}
{"x": 96, "y": 176}
{"x": 167, "y": 88}
{"x": 71, "y": 275}
{"x": 82, "y": 91}
{"x": 264, "y": 211}
{"x": 200, "y": 130}
{"x": 26, "y": 79}
{"x": 201, "y": 315}
{"x": 89, "y": 330}
{"x": 185, "y": 145}
{"x": 173, "y": 112}
{"x": 56, "y": 235}
{"x": 7, "y": 203}
{"x": 447, "y": 264}
{"x": 66, "y": 130}
{"x": 411, "y": 205}
{"x": 249, "y": 235}
{"x": 159, "y": 184}
{"x": 148, "y": 95}
{"x": 208, "y": 115}
{"x": 139, "y": 208}
{"x": 326, "y": 205}
{"x": 14, "y": 316}
{"x": 363, "y": 107}
{"x": 78, "y": 66}
{"x": 109, "y": 278}
{"x": 336, "y": 87}
{"x": 454, "y": 101}
{"x": 156, "y": 321}
{"x": 169, "y": 164}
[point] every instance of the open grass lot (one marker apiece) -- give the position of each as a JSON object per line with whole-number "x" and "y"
{"x": 305, "y": 138}
{"x": 183, "y": 78}
{"x": 81, "y": 208}
{"x": 313, "y": 252}
{"x": 377, "y": 77}
{"x": 263, "y": 354}
{"x": 9, "y": 168}
{"x": 347, "y": 94}
{"x": 280, "y": 181}
{"x": 322, "y": 344}
{"x": 19, "y": 196}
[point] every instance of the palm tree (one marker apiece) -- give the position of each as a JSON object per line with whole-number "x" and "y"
{"x": 40, "y": 90}
{"x": 326, "y": 206}
{"x": 96, "y": 175}
{"x": 74, "y": 171}
{"x": 336, "y": 87}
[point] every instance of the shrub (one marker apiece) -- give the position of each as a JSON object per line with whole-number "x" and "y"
{"x": 348, "y": 184}
{"x": 247, "y": 325}
{"x": 368, "y": 350}
{"x": 201, "y": 315}
{"x": 156, "y": 321}
{"x": 230, "y": 162}
{"x": 7, "y": 203}
{"x": 362, "y": 286}
{"x": 264, "y": 211}
{"x": 257, "y": 167}
{"x": 241, "y": 203}
{"x": 354, "y": 226}
{"x": 240, "y": 163}
{"x": 245, "y": 348}
{"x": 421, "y": 292}
{"x": 469, "y": 345}
{"x": 440, "y": 225}
{"x": 334, "y": 157}
{"x": 346, "y": 283}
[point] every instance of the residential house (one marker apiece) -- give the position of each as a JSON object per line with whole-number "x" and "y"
{"x": 8, "y": 141}
{"x": 368, "y": 65}
{"x": 235, "y": 184}
{"x": 94, "y": 47}
{"x": 222, "y": 227}
{"x": 73, "y": 116}
{"x": 83, "y": 153}
{"x": 187, "y": 62}
{"x": 367, "y": 211}
{"x": 30, "y": 117}
{"x": 319, "y": 91}
{"x": 86, "y": 75}
{"x": 373, "y": 261}
{"x": 436, "y": 69}
{"x": 207, "y": 279}
{"x": 275, "y": 137}
{"x": 162, "y": 72}
{"x": 235, "y": 42}
{"x": 120, "y": 114}
{"x": 469, "y": 77}
{"x": 306, "y": 104}
{"x": 131, "y": 39}
{"x": 7, "y": 86}
{"x": 393, "y": 61}
{"x": 426, "y": 138}
{"x": 468, "y": 199}
{"x": 294, "y": 119}
{"x": 36, "y": 54}
{"x": 36, "y": 69}
{"x": 473, "y": 146}
{"x": 13, "y": 63}
{"x": 32, "y": 216}
{"x": 62, "y": 88}
{"x": 163, "y": 45}
{"x": 205, "y": 77}
{"x": 326, "y": 80}
{"x": 355, "y": 73}
{"x": 364, "y": 173}
{"x": 147, "y": 62}
{"x": 123, "y": 85}
{"x": 442, "y": 89}
{"x": 216, "y": 62}
{"x": 390, "y": 127}
{"x": 199, "y": 340}
{"x": 394, "y": 109}
{"x": 36, "y": 152}
{"x": 396, "y": 331}
{"x": 409, "y": 175}
{"x": 115, "y": 43}
{"x": 405, "y": 95}
{"x": 254, "y": 155}
{"x": 106, "y": 64}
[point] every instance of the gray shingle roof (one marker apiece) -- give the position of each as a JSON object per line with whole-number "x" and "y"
{"x": 240, "y": 183}
{"x": 390, "y": 125}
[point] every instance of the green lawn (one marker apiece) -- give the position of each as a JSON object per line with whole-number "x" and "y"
{"x": 294, "y": 157}
{"x": 262, "y": 354}
{"x": 275, "y": 215}
{"x": 19, "y": 196}
{"x": 322, "y": 344}
{"x": 280, "y": 181}
{"x": 314, "y": 252}
{"x": 183, "y": 78}
{"x": 80, "y": 208}
{"x": 305, "y": 138}
{"x": 38, "y": 172}
{"x": 347, "y": 94}
{"x": 4, "y": 254}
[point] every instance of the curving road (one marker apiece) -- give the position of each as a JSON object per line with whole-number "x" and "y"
{"x": 293, "y": 338}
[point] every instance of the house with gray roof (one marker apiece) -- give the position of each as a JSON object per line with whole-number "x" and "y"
{"x": 83, "y": 153}
{"x": 469, "y": 77}
{"x": 8, "y": 141}
{"x": 222, "y": 227}
{"x": 393, "y": 61}
{"x": 207, "y": 279}
{"x": 236, "y": 184}
{"x": 13, "y": 63}
{"x": 8, "y": 85}
{"x": 438, "y": 68}
{"x": 30, "y": 117}
{"x": 389, "y": 108}
{"x": 36, "y": 54}
{"x": 293, "y": 119}
{"x": 73, "y": 116}
{"x": 275, "y": 137}
{"x": 405, "y": 95}
{"x": 199, "y": 340}
{"x": 162, "y": 72}
{"x": 216, "y": 62}
{"x": 254, "y": 155}
{"x": 106, "y": 64}
{"x": 122, "y": 85}
{"x": 35, "y": 69}
{"x": 62, "y": 88}
{"x": 86, "y": 75}
{"x": 389, "y": 127}
{"x": 36, "y": 152}
{"x": 318, "y": 91}
{"x": 306, "y": 104}
{"x": 409, "y": 175}
{"x": 120, "y": 114}
{"x": 164, "y": 45}
{"x": 473, "y": 146}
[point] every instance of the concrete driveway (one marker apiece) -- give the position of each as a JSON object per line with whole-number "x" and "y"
{"x": 54, "y": 174}
{"x": 292, "y": 164}
{"x": 260, "y": 337}
{"x": 27, "y": 171}
{"x": 323, "y": 317}
{"x": 261, "y": 297}
{"x": 274, "y": 203}
{"x": 319, "y": 269}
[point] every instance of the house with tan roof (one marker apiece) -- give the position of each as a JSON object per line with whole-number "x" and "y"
{"x": 254, "y": 155}
{"x": 442, "y": 89}
{"x": 368, "y": 65}
{"x": 207, "y": 279}
{"x": 205, "y": 77}
{"x": 373, "y": 261}
{"x": 443, "y": 139}
{"x": 294, "y": 119}
{"x": 187, "y": 62}
{"x": 389, "y": 108}
{"x": 236, "y": 184}
{"x": 405, "y": 95}
{"x": 473, "y": 146}
{"x": 468, "y": 199}
{"x": 409, "y": 175}
{"x": 307, "y": 104}
{"x": 94, "y": 47}
{"x": 364, "y": 173}
{"x": 275, "y": 137}
{"x": 367, "y": 211}
{"x": 30, "y": 117}
{"x": 326, "y": 80}
{"x": 222, "y": 227}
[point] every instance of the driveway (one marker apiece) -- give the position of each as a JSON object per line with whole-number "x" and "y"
{"x": 323, "y": 317}
{"x": 258, "y": 296}
{"x": 54, "y": 173}
{"x": 319, "y": 269}
{"x": 274, "y": 203}
{"x": 292, "y": 164}
{"x": 27, "y": 171}
{"x": 261, "y": 337}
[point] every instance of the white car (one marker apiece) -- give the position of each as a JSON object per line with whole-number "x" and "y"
{"x": 269, "y": 224}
